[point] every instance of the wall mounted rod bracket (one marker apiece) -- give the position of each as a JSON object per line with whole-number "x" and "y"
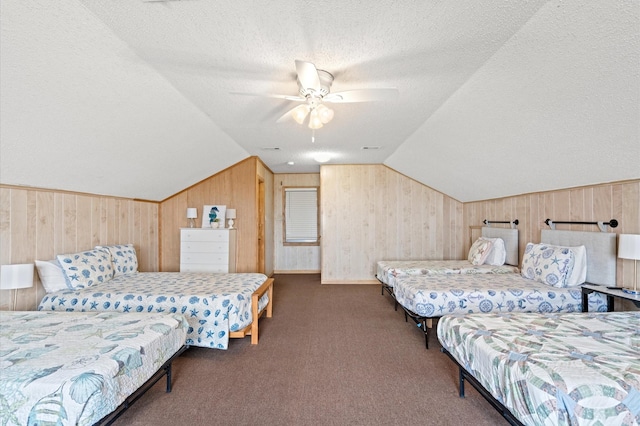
{"x": 513, "y": 223}
{"x": 602, "y": 225}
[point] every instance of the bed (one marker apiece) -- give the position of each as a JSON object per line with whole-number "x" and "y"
{"x": 82, "y": 368}
{"x": 550, "y": 369}
{"x": 387, "y": 271}
{"x": 217, "y": 306}
{"x": 425, "y": 297}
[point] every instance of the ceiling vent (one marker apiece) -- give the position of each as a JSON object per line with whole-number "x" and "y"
{"x": 270, "y": 148}
{"x": 370, "y": 147}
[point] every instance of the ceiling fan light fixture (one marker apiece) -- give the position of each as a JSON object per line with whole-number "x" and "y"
{"x": 325, "y": 113}
{"x": 299, "y": 113}
{"x": 314, "y": 120}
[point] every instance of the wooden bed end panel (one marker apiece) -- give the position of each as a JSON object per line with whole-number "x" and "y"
{"x": 252, "y": 329}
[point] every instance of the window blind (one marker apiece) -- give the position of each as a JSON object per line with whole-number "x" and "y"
{"x": 301, "y": 215}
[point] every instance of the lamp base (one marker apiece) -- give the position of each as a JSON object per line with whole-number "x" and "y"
{"x": 630, "y": 291}
{"x": 192, "y": 223}
{"x": 230, "y": 223}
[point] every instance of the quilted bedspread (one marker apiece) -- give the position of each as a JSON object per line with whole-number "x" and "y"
{"x": 553, "y": 369}
{"x": 213, "y": 304}
{"x": 437, "y": 295}
{"x": 70, "y": 368}
{"x": 389, "y": 270}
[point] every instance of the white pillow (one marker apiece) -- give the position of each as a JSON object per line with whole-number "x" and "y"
{"x": 124, "y": 258}
{"x": 498, "y": 253}
{"x": 51, "y": 275}
{"x": 579, "y": 273}
{"x": 479, "y": 251}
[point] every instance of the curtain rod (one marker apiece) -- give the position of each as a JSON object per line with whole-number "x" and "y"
{"x": 513, "y": 223}
{"x": 612, "y": 223}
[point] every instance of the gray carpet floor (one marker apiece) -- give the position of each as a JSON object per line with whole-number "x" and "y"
{"x": 331, "y": 355}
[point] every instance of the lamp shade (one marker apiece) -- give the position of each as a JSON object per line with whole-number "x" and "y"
{"x": 299, "y": 113}
{"x": 192, "y": 213}
{"x": 16, "y": 276}
{"x": 231, "y": 213}
{"x": 629, "y": 246}
{"x": 314, "y": 120}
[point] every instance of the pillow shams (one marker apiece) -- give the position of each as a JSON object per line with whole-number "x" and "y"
{"x": 124, "y": 258}
{"x": 548, "y": 264}
{"x": 86, "y": 268}
{"x": 51, "y": 275}
{"x": 479, "y": 251}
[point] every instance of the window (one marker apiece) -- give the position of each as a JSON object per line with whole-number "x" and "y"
{"x": 301, "y": 216}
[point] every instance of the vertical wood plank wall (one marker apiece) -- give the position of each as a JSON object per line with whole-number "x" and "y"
{"x": 371, "y": 213}
{"x": 620, "y": 201}
{"x": 40, "y": 224}
{"x": 235, "y": 187}
{"x": 296, "y": 259}
{"x": 368, "y": 213}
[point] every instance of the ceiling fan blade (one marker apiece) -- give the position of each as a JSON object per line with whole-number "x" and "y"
{"x": 361, "y": 95}
{"x": 270, "y": 95}
{"x": 308, "y": 75}
{"x": 286, "y": 116}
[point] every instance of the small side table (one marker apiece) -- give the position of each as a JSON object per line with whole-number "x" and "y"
{"x": 610, "y": 292}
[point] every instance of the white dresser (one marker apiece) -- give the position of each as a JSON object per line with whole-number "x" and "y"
{"x": 207, "y": 250}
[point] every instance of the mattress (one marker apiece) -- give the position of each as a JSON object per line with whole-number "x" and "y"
{"x": 75, "y": 368}
{"x": 436, "y": 295}
{"x": 550, "y": 369}
{"x": 388, "y": 271}
{"x": 213, "y": 304}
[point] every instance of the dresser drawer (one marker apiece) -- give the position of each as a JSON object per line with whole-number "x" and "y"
{"x": 207, "y": 250}
{"x": 204, "y": 235}
{"x": 213, "y": 258}
{"x": 203, "y": 267}
{"x": 203, "y": 247}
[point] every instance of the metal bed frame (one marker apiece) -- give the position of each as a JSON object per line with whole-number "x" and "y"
{"x": 463, "y": 374}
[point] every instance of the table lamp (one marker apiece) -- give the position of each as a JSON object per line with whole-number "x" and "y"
{"x": 231, "y": 214}
{"x": 629, "y": 248}
{"x": 192, "y": 213}
{"x": 14, "y": 277}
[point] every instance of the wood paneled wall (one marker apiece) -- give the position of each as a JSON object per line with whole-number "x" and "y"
{"x": 293, "y": 259}
{"x": 235, "y": 187}
{"x": 598, "y": 203}
{"x": 40, "y": 224}
{"x": 371, "y": 213}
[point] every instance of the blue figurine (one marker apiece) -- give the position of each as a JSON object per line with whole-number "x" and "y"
{"x": 213, "y": 214}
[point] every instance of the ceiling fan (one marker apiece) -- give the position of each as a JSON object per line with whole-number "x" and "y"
{"x": 315, "y": 90}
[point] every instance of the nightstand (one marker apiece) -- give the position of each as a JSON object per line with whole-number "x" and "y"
{"x": 610, "y": 292}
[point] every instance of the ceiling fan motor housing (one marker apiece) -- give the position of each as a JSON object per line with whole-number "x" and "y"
{"x": 326, "y": 79}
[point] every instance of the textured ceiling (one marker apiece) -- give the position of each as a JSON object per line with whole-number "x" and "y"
{"x": 138, "y": 98}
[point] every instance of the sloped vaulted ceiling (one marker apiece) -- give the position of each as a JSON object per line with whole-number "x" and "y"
{"x": 135, "y": 98}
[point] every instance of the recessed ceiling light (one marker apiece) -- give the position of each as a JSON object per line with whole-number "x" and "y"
{"x": 290, "y": 163}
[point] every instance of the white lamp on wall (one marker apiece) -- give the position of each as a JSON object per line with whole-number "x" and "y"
{"x": 192, "y": 214}
{"x": 629, "y": 248}
{"x": 14, "y": 277}
{"x": 231, "y": 214}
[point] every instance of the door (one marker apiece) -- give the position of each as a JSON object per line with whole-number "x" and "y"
{"x": 261, "y": 221}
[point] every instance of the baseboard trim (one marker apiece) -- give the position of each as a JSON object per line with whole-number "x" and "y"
{"x": 349, "y": 281}
{"x": 298, "y": 272}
